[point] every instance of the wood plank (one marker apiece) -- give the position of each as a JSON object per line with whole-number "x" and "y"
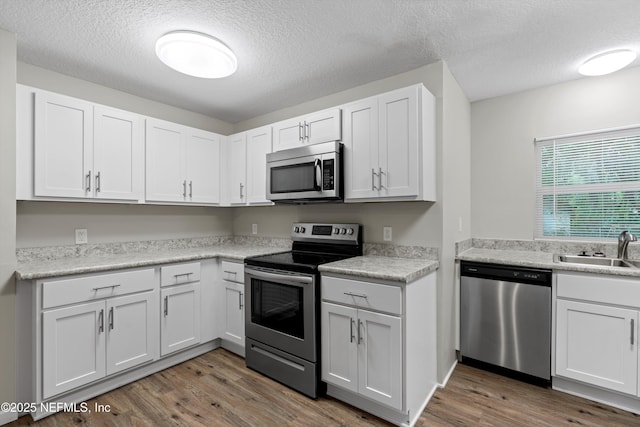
{"x": 216, "y": 389}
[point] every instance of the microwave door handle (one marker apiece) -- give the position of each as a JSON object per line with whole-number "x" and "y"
{"x": 318, "y": 168}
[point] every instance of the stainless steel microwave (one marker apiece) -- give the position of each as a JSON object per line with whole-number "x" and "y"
{"x": 308, "y": 174}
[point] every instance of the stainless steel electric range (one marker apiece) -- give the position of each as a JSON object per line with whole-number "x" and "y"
{"x": 282, "y": 323}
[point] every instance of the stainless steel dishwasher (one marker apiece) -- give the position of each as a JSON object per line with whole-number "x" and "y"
{"x": 505, "y": 320}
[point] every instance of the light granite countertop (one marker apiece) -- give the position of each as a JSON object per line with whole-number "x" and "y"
{"x": 394, "y": 269}
{"x": 37, "y": 269}
{"x": 538, "y": 259}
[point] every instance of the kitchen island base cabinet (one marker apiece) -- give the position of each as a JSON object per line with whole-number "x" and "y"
{"x": 378, "y": 344}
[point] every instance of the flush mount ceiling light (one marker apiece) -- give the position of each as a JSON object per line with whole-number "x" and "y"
{"x": 607, "y": 62}
{"x": 196, "y": 54}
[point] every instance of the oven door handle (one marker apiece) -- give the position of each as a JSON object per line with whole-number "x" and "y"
{"x": 275, "y": 277}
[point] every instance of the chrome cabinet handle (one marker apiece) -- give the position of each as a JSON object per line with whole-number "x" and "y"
{"x": 317, "y": 186}
{"x": 184, "y": 188}
{"x": 240, "y": 304}
{"x": 373, "y": 182}
{"x": 351, "y": 322}
{"x": 105, "y": 287}
{"x": 191, "y": 189}
{"x": 351, "y": 294}
{"x": 359, "y": 336}
{"x": 299, "y": 131}
{"x": 111, "y": 320}
{"x": 87, "y": 182}
{"x": 166, "y": 305}
{"x": 632, "y": 331}
{"x": 380, "y": 178}
{"x": 98, "y": 180}
{"x": 306, "y": 131}
{"x": 241, "y": 187}
{"x": 182, "y": 274}
{"x": 101, "y": 321}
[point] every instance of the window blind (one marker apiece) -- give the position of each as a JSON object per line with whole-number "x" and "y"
{"x": 588, "y": 186}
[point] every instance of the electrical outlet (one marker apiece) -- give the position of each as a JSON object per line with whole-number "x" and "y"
{"x": 254, "y": 228}
{"x": 386, "y": 234}
{"x": 82, "y": 236}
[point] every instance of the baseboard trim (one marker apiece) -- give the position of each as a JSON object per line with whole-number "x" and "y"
{"x": 7, "y": 417}
{"x": 448, "y": 376}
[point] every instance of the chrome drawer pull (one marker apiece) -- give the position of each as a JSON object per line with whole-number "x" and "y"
{"x": 105, "y": 287}
{"x": 351, "y": 294}
{"x": 182, "y": 274}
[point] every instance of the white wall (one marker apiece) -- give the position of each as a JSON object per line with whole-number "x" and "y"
{"x": 52, "y": 223}
{"x": 7, "y": 219}
{"x": 502, "y": 149}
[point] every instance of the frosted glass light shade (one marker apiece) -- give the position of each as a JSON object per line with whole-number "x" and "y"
{"x": 196, "y": 54}
{"x": 608, "y": 62}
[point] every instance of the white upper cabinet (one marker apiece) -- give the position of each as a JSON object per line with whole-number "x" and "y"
{"x": 258, "y": 145}
{"x": 80, "y": 150}
{"x": 389, "y": 145}
{"x": 314, "y": 128}
{"x": 183, "y": 164}
{"x": 246, "y": 162}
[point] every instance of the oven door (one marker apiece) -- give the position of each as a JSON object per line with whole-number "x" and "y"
{"x": 310, "y": 177}
{"x": 280, "y": 310}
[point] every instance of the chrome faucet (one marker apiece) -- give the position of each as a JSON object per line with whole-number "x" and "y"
{"x": 623, "y": 242}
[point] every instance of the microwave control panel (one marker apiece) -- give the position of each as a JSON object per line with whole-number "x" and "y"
{"x": 328, "y": 168}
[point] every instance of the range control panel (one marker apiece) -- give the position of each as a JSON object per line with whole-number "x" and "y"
{"x": 304, "y": 231}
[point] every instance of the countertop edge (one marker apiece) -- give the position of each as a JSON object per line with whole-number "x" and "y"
{"x": 392, "y": 276}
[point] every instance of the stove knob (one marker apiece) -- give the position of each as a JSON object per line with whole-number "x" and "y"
{"x": 343, "y": 231}
{"x": 336, "y": 230}
{"x": 302, "y": 229}
{"x": 296, "y": 229}
{"x": 350, "y": 231}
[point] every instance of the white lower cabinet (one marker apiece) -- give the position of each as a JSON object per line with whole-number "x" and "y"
{"x": 362, "y": 352}
{"x": 87, "y": 341}
{"x": 596, "y": 341}
{"x": 378, "y": 344}
{"x": 231, "y": 307}
{"x": 180, "y": 295}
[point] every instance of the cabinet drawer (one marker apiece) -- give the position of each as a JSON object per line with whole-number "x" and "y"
{"x": 599, "y": 288}
{"x": 367, "y": 295}
{"x": 180, "y": 273}
{"x": 233, "y": 271}
{"x": 68, "y": 291}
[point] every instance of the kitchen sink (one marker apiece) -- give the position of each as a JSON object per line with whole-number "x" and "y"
{"x": 592, "y": 260}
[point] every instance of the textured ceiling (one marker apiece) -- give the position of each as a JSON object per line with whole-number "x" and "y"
{"x": 291, "y": 51}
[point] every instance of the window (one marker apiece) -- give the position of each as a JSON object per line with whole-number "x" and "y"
{"x": 588, "y": 186}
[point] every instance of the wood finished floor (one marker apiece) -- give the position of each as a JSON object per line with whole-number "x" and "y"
{"x": 216, "y": 389}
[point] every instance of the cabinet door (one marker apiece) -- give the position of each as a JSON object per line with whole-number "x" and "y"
{"x": 237, "y": 148}
{"x": 361, "y": 149}
{"x": 323, "y": 126}
{"x": 233, "y": 325}
{"x": 202, "y": 153}
{"x": 597, "y": 344}
{"x": 63, "y": 146}
{"x": 339, "y": 346}
{"x": 118, "y": 149}
{"x": 258, "y": 145}
{"x": 166, "y": 181}
{"x": 73, "y": 347}
{"x": 132, "y": 330}
{"x": 288, "y": 134}
{"x": 180, "y": 325}
{"x": 399, "y": 143}
{"x": 380, "y": 358}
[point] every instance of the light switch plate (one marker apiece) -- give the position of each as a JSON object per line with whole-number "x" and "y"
{"x": 82, "y": 236}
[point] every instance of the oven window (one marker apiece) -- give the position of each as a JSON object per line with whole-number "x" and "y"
{"x": 293, "y": 178}
{"x": 278, "y": 307}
